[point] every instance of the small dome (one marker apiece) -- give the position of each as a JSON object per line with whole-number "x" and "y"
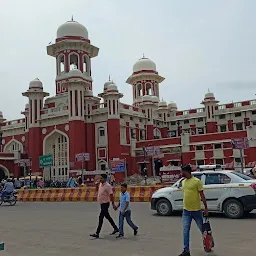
{"x": 172, "y": 105}
{"x": 144, "y": 64}
{"x": 147, "y": 98}
{"x": 162, "y": 104}
{"x": 36, "y": 84}
{"x": 112, "y": 87}
{"x": 75, "y": 72}
{"x": 209, "y": 95}
{"x": 106, "y": 85}
{"x": 155, "y": 99}
{"x": 72, "y": 28}
{"x": 88, "y": 93}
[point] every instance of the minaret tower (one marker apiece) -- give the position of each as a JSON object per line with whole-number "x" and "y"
{"x": 72, "y": 49}
{"x": 144, "y": 80}
{"x": 36, "y": 96}
{"x": 210, "y": 103}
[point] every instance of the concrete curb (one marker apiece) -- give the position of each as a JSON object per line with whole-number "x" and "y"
{"x": 89, "y": 194}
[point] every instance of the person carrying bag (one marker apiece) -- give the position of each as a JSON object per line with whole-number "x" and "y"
{"x": 207, "y": 235}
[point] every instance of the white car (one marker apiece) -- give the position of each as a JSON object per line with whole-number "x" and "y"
{"x": 226, "y": 191}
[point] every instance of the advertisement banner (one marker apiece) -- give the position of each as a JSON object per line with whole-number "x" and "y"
{"x": 240, "y": 143}
{"x": 117, "y": 165}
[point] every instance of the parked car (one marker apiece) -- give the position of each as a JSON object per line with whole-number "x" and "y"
{"x": 230, "y": 192}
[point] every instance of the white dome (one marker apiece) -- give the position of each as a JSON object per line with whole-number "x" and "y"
{"x": 112, "y": 87}
{"x": 162, "y": 104}
{"x": 209, "y": 95}
{"x": 172, "y": 105}
{"x": 147, "y": 98}
{"x": 36, "y": 84}
{"x": 106, "y": 85}
{"x": 144, "y": 64}
{"x": 72, "y": 28}
{"x": 88, "y": 93}
{"x": 155, "y": 99}
{"x": 75, "y": 72}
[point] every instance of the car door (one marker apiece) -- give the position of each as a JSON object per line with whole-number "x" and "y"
{"x": 177, "y": 194}
{"x": 216, "y": 187}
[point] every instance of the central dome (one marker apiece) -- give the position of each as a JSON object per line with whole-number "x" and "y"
{"x": 72, "y": 28}
{"x": 144, "y": 64}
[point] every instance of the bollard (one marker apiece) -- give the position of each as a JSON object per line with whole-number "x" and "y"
{"x": 1, "y": 246}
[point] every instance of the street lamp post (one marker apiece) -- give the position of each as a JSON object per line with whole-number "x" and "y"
{"x": 1, "y": 138}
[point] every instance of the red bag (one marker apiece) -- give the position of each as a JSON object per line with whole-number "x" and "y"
{"x": 207, "y": 235}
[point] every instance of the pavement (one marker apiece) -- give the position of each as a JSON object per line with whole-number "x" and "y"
{"x": 47, "y": 229}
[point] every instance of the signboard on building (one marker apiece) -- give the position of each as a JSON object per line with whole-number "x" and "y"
{"x": 45, "y": 161}
{"x": 117, "y": 165}
{"x": 152, "y": 151}
{"x": 22, "y": 162}
{"x": 240, "y": 143}
{"x": 175, "y": 150}
{"x": 170, "y": 173}
{"x": 82, "y": 157}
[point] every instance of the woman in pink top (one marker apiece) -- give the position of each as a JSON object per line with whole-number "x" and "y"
{"x": 105, "y": 196}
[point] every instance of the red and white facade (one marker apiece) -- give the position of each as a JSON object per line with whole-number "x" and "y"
{"x": 75, "y": 120}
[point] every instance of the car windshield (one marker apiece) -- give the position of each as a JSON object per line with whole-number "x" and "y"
{"x": 244, "y": 177}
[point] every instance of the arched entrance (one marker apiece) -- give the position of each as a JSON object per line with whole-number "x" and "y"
{"x": 56, "y": 143}
{"x": 4, "y": 173}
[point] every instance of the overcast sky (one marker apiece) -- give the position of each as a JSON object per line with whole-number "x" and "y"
{"x": 196, "y": 45}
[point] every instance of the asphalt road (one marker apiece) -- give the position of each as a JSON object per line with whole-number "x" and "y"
{"x": 46, "y": 229}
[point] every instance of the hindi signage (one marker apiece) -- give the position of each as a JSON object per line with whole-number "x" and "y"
{"x": 117, "y": 165}
{"x": 170, "y": 173}
{"x": 152, "y": 151}
{"x": 240, "y": 143}
{"x": 23, "y": 162}
{"x": 45, "y": 161}
{"x": 82, "y": 157}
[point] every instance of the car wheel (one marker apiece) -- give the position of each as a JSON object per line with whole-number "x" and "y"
{"x": 233, "y": 209}
{"x": 164, "y": 207}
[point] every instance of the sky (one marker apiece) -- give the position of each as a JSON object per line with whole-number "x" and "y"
{"x": 196, "y": 45}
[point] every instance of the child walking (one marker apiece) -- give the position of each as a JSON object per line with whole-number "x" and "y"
{"x": 125, "y": 211}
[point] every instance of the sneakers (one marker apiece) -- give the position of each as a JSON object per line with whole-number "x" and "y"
{"x": 114, "y": 232}
{"x": 135, "y": 231}
{"x": 184, "y": 253}
{"x": 120, "y": 236}
{"x": 95, "y": 235}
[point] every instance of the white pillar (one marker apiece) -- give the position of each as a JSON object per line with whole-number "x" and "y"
{"x": 73, "y": 103}
{"x": 79, "y": 103}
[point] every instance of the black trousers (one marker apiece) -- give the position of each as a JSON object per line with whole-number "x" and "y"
{"x": 104, "y": 213}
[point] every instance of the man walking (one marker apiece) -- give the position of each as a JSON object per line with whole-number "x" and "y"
{"x": 125, "y": 211}
{"x": 193, "y": 193}
{"x": 105, "y": 196}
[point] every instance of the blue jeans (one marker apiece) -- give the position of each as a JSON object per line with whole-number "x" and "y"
{"x": 187, "y": 218}
{"x": 127, "y": 215}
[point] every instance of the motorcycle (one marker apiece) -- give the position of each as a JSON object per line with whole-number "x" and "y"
{"x": 10, "y": 198}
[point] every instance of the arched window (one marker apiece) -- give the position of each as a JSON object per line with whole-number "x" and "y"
{"x": 13, "y": 146}
{"x": 61, "y": 63}
{"x": 101, "y": 135}
{"x": 139, "y": 89}
{"x": 73, "y": 61}
{"x": 157, "y": 134}
{"x": 102, "y": 165}
{"x": 149, "y": 89}
{"x": 86, "y": 64}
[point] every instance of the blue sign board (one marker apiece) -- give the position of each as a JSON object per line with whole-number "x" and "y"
{"x": 117, "y": 165}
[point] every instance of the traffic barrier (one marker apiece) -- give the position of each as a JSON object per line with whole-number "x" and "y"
{"x": 89, "y": 194}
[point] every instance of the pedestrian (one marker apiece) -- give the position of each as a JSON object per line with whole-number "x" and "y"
{"x": 41, "y": 183}
{"x": 193, "y": 193}
{"x": 112, "y": 179}
{"x": 17, "y": 183}
{"x": 80, "y": 181}
{"x": 71, "y": 182}
{"x": 105, "y": 196}
{"x": 125, "y": 211}
{"x": 35, "y": 182}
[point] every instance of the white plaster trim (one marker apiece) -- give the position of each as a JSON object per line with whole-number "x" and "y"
{"x": 13, "y": 140}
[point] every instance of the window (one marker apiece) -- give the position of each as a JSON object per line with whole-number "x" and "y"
{"x": 172, "y": 134}
{"x": 200, "y": 130}
{"x": 142, "y": 134}
{"x": 238, "y": 114}
{"x": 238, "y": 160}
{"x": 200, "y": 119}
{"x": 139, "y": 89}
{"x": 131, "y": 118}
{"x": 219, "y": 161}
{"x": 173, "y": 123}
{"x": 217, "y": 178}
{"x": 121, "y": 116}
{"x": 253, "y": 122}
{"x": 102, "y": 132}
{"x": 217, "y": 146}
{"x": 73, "y": 61}
{"x": 222, "y": 116}
{"x": 254, "y": 112}
{"x": 200, "y": 162}
{"x": 253, "y": 102}
{"x": 198, "y": 176}
{"x": 237, "y": 104}
{"x": 103, "y": 167}
{"x": 186, "y": 121}
{"x": 244, "y": 177}
{"x": 157, "y": 134}
{"x": 199, "y": 147}
{"x": 223, "y": 128}
{"x": 222, "y": 107}
{"x": 133, "y": 134}
{"x": 239, "y": 126}
{"x": 149, "y": 88}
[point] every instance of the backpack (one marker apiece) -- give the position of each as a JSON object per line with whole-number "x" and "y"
{"x": 207, "y": 235}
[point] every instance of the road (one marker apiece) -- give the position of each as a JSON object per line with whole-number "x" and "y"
{"x": 47, "y": 229}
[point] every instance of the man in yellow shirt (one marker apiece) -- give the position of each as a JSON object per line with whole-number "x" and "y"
{"x": 193, "y": 193}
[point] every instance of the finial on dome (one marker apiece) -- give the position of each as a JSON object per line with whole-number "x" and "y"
{"x": 143, "y": 56}
{"x": 72, "y": 18}
{"x": 109, "y": 78}
{"x": 208, "y": 90}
